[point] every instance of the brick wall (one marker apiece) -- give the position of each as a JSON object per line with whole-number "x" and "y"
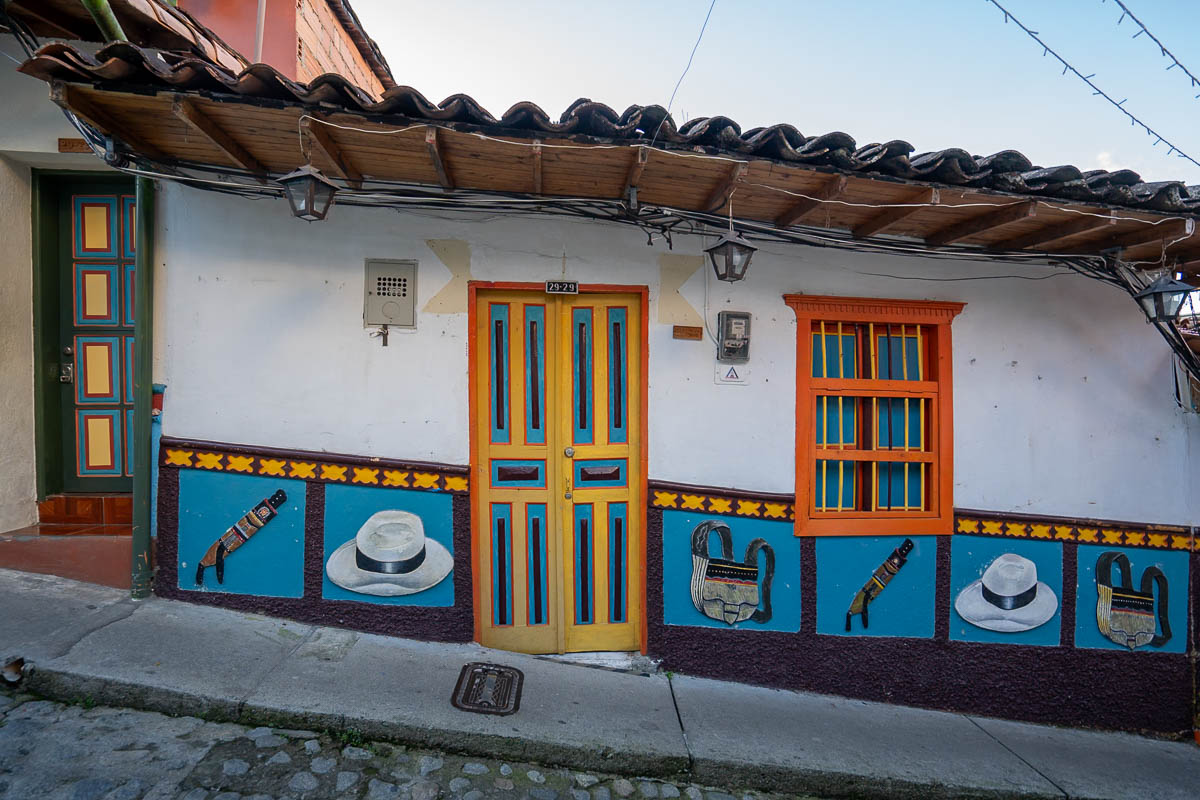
{"x": 322, "y": 45}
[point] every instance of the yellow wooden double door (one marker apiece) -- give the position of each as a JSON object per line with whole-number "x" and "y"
{"x": 558, "y": 475}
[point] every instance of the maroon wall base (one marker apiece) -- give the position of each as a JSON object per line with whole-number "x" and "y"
{"x": 1153, "y": 692}
{"x": 453, "y": 624}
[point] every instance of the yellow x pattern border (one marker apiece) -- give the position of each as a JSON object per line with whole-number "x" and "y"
{"x": 1159, "y": 537}
{"x": 314, "y": 469}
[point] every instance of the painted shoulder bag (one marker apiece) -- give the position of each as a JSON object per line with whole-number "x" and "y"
{"x": 727, "y": 590}
{"x": 1125, "y": 615}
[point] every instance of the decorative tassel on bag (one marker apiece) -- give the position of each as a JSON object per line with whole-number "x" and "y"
{"x": 879, "y": 579}
{"x": 239, "y": 534}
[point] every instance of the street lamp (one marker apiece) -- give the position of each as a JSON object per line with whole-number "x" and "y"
{"x": 731, "y": 256}
{"x": 309, "y": 193}
{"x": 1162, "y": 299}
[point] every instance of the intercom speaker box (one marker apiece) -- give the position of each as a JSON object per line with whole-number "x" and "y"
{"x": 390, "y": 293}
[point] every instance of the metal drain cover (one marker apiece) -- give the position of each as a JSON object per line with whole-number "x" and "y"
{"x": 488, "y": 689}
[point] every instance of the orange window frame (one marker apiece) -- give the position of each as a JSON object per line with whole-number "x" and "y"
{"x": 938, "y": 518}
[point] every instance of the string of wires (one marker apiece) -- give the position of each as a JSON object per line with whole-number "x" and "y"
{"x": 1162, "y": 48}
{"x": 1096, "y": 90}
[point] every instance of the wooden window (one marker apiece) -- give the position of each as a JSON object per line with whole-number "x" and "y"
{"x": 874, "y": 416}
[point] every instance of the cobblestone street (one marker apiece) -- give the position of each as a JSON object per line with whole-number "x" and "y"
{"x": 76, "y": 752}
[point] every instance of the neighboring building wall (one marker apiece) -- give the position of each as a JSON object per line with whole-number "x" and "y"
{"x": 324, "y": 46}
{"x": 17, "y": 458}
{"x": 236, "y": 21}
{"x": 1064, "y": 402}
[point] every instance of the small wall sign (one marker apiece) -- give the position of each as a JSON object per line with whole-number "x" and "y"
{"x": 562, "y": 287}
{"x": 732, "y": 374}
{"x": 690, "y": 332}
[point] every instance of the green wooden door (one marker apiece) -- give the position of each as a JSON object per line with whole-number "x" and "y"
{"x": 95, "y": 343}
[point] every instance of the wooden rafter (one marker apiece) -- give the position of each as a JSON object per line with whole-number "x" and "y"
{"x": 69, "y": 98}
{"x": 829, "y": 190}
{"x": 187, "y": 110}
{"x": 1143, "y": 234}
{"x": 720, "y": 193}
{"x": 641, "y": 157}
{"x": 435, "y": 155}
{"x": 890, "y": 216}
{"x": 322, "y": 139}
{"x": 537, "y": 166}
{"x": 989, "y": 220}
{"x": 1057, "y": 232}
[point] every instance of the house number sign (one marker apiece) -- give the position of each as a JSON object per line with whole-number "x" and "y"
{"x": 562, "y": 287}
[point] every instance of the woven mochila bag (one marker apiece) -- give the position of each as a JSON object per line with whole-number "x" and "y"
{"x": 1126, "y": 615}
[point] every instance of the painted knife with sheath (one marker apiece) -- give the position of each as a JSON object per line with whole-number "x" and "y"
{"x": 879, "y": 579}
{"x": 239, "y": 534}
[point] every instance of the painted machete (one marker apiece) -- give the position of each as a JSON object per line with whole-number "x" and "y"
{"x": 238, "y": 535}
{"x": 879, "y": 579}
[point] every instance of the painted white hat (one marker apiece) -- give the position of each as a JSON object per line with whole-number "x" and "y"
{"x": 390, "y": 556}
{"x": 1008, "y": 598}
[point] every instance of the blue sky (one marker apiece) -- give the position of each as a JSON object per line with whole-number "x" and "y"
{"x": 936, "y": 73}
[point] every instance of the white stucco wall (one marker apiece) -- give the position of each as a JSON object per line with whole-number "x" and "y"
{"x": 17, "y": 475}
{"x": 1063, "y": 396}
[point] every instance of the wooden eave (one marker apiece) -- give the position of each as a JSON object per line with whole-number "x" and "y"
{"x": 236, "y": 132}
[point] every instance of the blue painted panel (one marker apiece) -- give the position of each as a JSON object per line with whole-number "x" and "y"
{"x": 271, "y": 563}
{"x": 827, "y": 479}
{"x": 906, "y": 607}
{"x": 108, "y": 320}
{"x": 129, "y": 441}
{"x": 1174, "y": 565}
{"x": 128, "y": 276}
{"x": 826, "y": 362}
{"x": 113, "y": 395}
{"x": 502, "y": 602}
{"x": 971, "y": 555}
{"x": 535, "y": 374}
{"x": 583, "y": 376}
{"x": 620, "y": 464}
{"x": 533, "y": 483}
{"x": 891, "y": 426}
{"x": 892, "y": 483}
{"x": 538, "y": 581}
{"x": 109, "y": 250}
{"x": 618, "y": 376}
{"x": 128, "y": 214}
{"x": 897, "y": 357}
{"x": 348, "y": 507}
{"x": 618, "y": 562}
{"x": 678, "y": 608}
{"x": 585, "y": 550}
{"x": 127, "y": 368}
{"x": 499, "y": 395}
{"x": 837, "y": 421}
{"x": 155, "y": 438}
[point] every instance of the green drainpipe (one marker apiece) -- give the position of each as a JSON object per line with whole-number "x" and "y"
{"x": 143, "y": 355}
{"x": 106, "y": 21}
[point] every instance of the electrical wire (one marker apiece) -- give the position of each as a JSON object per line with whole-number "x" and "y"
{"x": 1120, "y": 106}
{"x": 678, "y": 83}
{"x": 1175, "y": 62}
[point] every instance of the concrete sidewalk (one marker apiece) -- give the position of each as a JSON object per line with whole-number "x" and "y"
{"x": 82, "y": 641}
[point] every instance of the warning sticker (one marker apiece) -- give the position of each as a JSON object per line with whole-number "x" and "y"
{"x": 733, "y": 374}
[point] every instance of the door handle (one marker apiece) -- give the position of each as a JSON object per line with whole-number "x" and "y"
{"x": 66, "y": 373}
{"x": 567, "y": 488}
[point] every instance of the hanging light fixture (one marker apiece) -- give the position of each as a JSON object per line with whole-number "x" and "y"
{"x": 731, "y": 254}
{"x": 1162, "y": 299}
{"x": 309, "y": 193}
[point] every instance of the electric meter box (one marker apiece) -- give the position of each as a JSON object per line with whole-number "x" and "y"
{"x": 390, "y": 293}
{"x": 733, "y": 337}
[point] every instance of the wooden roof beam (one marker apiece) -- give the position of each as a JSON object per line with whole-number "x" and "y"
{"x": 890, "y": 216}
{"x": 435, "y": 155}
{"x": 829, "y": 190}
{"x": 188, "y": 111}
{"x": 1144, "y": 234}
{"x": 719, "y": 196}
{"x": 637, "y": 166}
{"x": 537, "y": 166}
{"x": 1057, "y": 232}
{"x": 989, "y": 220}
{"x": 323, "y": 140}
{"x": 71, "y": 99}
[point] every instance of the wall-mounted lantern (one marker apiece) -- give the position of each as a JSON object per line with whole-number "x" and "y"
{"x": 731, "y": 256}
{"x": 1162, "y": 299}
{"x": 309, "y": 193}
